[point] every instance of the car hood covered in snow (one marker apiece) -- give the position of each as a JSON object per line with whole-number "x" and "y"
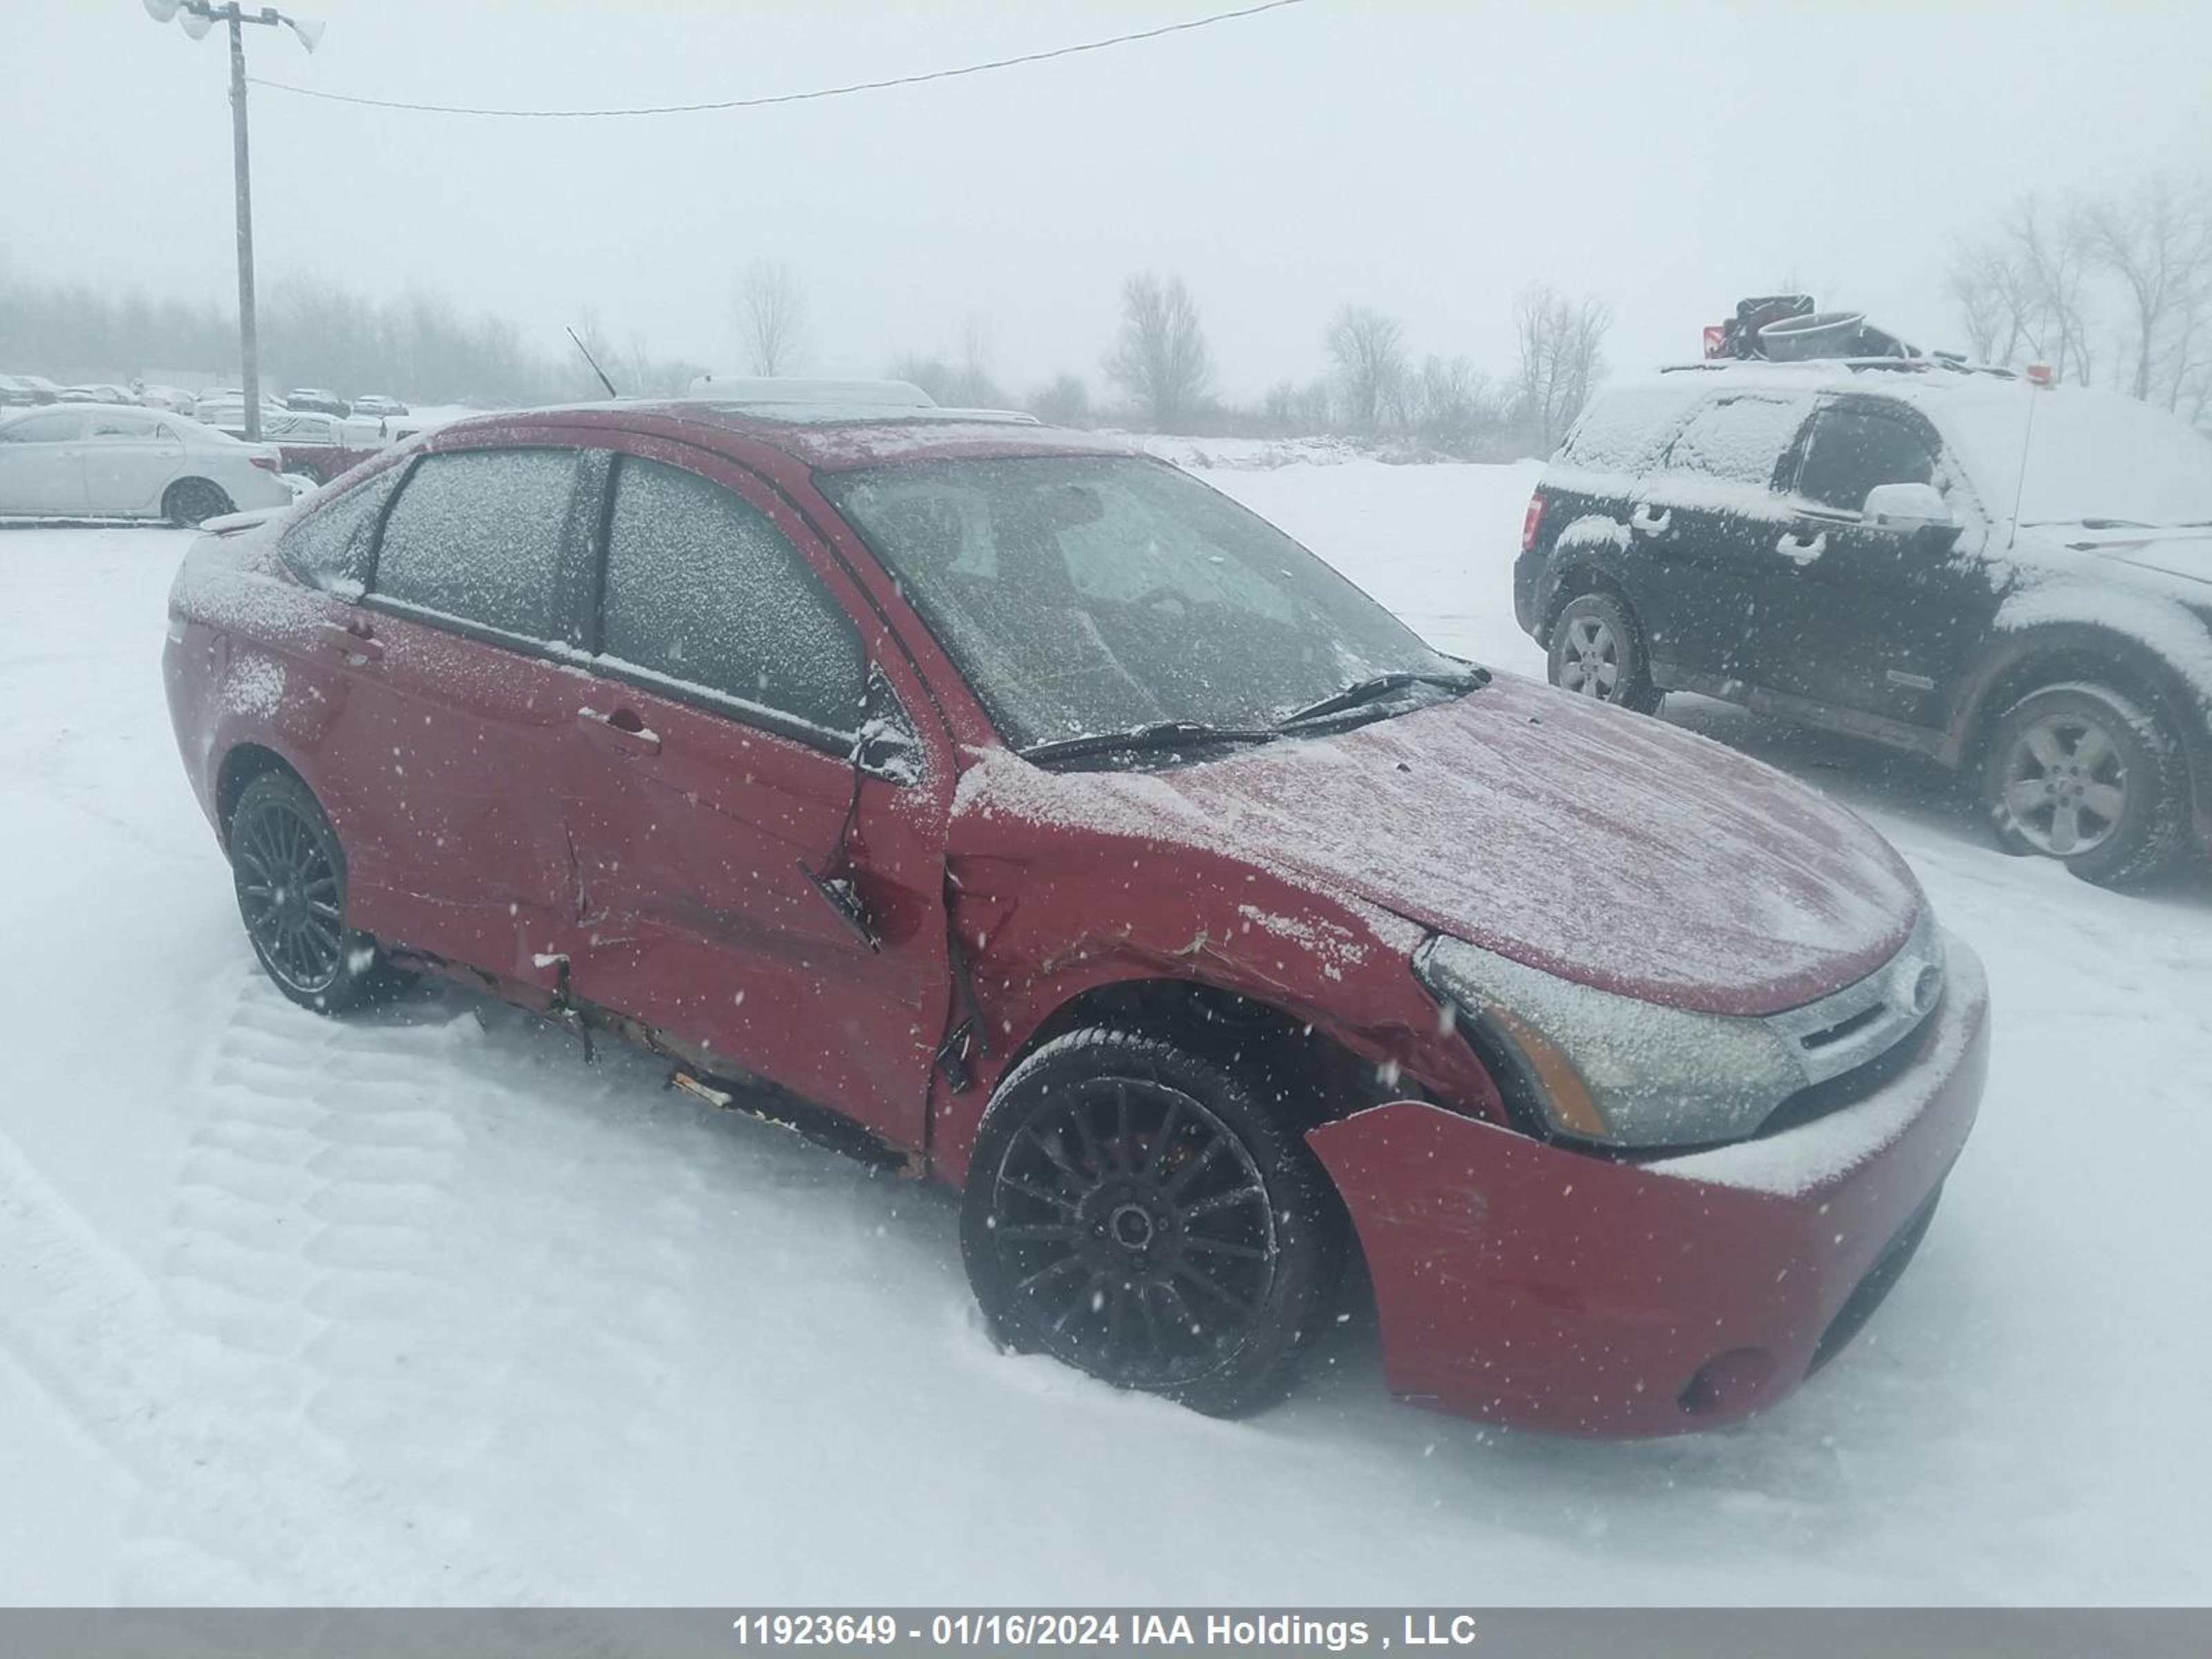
{"x": 1609, "y": 848}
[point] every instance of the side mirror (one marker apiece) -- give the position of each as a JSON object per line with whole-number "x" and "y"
{"x": 1915, "y": 510}
{"x": 886, "y": 746}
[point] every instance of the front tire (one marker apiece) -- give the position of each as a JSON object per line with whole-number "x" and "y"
{"x": 2084, "y": 774}
{"x": 192, "y": 503}
{"x": 1597, "y": 651}
{"x": 290, "y": 877}
{"x": 1134, "y": 1211}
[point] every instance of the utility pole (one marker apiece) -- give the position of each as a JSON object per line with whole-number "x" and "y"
{"x": 198, "y": 17}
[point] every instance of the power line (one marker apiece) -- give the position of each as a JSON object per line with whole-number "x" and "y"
{"x": 788, "y": 97}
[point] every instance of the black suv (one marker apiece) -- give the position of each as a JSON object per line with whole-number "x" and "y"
{"x": 2014, "y": 579}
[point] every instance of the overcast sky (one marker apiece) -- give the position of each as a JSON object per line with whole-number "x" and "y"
{"x": 1425, "y": 158}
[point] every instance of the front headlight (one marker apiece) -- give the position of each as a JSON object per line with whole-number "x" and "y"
{"x": 1626, "y": 1073}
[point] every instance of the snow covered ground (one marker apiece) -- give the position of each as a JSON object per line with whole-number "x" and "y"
{"x": 423, "y": 1307}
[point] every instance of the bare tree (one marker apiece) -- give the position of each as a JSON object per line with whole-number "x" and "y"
{"x": 1370, "y": 366}
{"x": 2025, "y": 293}
{"x": 1560, "y": 344}
{"x": 1065, "y": 402}
{"x": 1161, "y": 356}
{"x": 2042, "y": 287}
{"x": 771, "y": 318}
{"x": 2157, "y": 245}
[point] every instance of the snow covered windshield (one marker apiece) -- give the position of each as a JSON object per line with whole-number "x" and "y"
{"x": 1091, "y": 593}
{"x": 2091, "y": 455}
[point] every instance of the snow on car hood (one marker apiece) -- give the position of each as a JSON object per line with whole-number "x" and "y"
{"x": 1609, "y": 848}
{"x": 2183, "y": 550}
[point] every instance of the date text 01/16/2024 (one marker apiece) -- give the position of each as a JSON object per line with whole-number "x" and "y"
{"x": 1099, "y": 1630}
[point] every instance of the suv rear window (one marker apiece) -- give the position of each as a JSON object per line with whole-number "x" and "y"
{"x": 476, "y": 535}
{"x": 1625, "y": 431}
{"x": 1740, "y": 438}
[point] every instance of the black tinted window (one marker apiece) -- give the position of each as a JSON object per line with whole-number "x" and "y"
{"x": 478, "y": 536}
{"x": 1852, "y": 452}
{"x": 1741, "y": 439}
{"x": 702, "y": 589}
{"x": 329, "y": 548}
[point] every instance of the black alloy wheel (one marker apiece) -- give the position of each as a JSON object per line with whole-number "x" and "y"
{"x": 289, "y": 874}
{"x": 1133, "y": 1213}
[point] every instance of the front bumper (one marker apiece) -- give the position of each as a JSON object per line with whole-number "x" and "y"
{"x": 1552, "y": 1289}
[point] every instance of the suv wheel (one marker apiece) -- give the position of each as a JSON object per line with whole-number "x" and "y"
{"x": 2081, "y": 774}
{"x": 290, "y": 872}
{"x": 1134, "y": 1211}
{"x": 1597, "y": 651}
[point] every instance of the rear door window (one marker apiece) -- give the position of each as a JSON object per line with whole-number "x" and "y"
{"x": 702, "y": 591}
{"x": 121, "y": 426}
{"x": 476, "y": 536}
{"x": 1853, "y": 450}
{"x": 330, "y": 548}
{"x": 1740, "y": 438}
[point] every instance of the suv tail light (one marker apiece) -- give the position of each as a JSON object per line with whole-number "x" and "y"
{"x": 1532, "y": 521}
{"x": 267, "y": 463}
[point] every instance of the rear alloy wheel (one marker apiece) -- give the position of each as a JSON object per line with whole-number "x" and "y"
{"x": 192, "y": 503}
{"x": 1597, "y": 651}
{"x": 1133, "y": 1210}
{"x": 289, "y": 872}
{"x": 2084, "y": 774}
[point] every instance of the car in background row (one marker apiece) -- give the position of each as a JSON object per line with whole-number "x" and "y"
{"x": 2014, "y": 579}
{"x": 101, "y": 392}
{"x": 115, "y": 463}
{"x": 25, "y": 390}
{"x": 174, "y": 398}
{"x": 317, "y": 399}
{"x": 375, "y": 404}
{"x": 1012, "y": 806}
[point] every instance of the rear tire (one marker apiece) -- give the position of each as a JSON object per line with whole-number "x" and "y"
{"x": 2085, "y": 775}
{"x": 191, "y": 502}
{"x": 290, "y": 876}
{"x": 1597, "y": 652}
{"x": 1133, "y": 1209}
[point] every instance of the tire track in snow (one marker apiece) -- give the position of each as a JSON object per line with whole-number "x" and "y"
{"x": 236, "y": 1519}
{"x": 372, "y": 1255}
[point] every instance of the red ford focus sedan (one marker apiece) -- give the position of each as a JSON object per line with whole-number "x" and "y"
{"x": 1050, "y": 824}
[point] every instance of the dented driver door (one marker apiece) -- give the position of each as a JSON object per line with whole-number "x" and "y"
{"x": 713, "y": 795}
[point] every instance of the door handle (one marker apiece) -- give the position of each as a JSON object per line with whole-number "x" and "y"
{"x": 1803, "y": 552}
{"x": 620, "y": 729}
{"x": 1651, "y": 523}
{"x": 352, "y": 642}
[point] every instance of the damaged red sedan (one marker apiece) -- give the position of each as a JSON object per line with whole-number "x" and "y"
{"x": 1055, "y": 827}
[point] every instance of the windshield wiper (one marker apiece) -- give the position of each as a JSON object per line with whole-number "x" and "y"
{"x": 1378, "y": 686}
{"x": 1159, "y": 734}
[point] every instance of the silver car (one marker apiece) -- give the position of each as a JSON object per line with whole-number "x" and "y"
{"x": 94, "y": 461}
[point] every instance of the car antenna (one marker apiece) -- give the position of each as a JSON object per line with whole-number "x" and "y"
{"x": 2019, "y": 487}
{"x": 595, "y": 363}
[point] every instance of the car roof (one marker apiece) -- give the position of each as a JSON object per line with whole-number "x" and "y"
{"x": 823, "y": 437}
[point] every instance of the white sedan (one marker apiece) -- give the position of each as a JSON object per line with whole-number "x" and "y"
{"x": 94, "y": 461}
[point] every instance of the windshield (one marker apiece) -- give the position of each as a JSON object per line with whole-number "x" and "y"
{"x": 2090, "y": 455}
{"x": 1082, "y": 594}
